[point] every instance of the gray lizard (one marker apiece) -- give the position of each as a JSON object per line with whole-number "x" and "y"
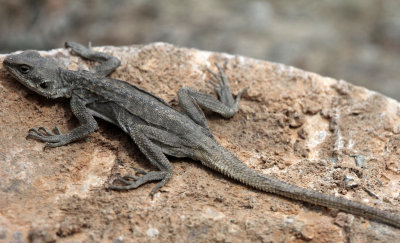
{"x": 156, "y": 128}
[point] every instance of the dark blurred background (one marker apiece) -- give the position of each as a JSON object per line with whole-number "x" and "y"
{"x": 354, "y": 40}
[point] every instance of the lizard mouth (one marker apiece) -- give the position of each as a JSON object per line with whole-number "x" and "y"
{"x": 26, "y": 82}
{"x": 42, "y": 88}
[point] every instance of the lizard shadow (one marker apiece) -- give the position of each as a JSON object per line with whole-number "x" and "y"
{"x": 127, "y": 152}
{"x": 128, "y": 155}
{"x": 134, "y": 158}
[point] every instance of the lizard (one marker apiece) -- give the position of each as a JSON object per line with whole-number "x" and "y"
{"x": 155, "y": 127}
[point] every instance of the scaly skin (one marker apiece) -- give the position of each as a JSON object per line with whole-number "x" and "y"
{"x": 155, "y": 127}
{"x": 226, "y": 163}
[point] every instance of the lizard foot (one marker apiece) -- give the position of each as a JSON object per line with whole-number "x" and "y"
{"x": 55, "y": 139}
{"x": 223, "y": 89}
{"x": 78, "y": 48}
{"x": 132, "y": 182}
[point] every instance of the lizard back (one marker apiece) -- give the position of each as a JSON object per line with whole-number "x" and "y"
{"x": 138, "y": 102}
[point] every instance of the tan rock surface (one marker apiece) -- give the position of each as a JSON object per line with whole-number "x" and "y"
{"x": 309, "y": 130}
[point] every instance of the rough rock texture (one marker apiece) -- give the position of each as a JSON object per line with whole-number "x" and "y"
{"x": 309, "y": 130}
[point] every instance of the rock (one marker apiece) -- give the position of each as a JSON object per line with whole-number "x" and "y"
{"x": 290, "y": 120}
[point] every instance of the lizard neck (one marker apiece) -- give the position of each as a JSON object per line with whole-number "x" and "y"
{"x": 67, "y": 82}
{"x": 68, "y": 77}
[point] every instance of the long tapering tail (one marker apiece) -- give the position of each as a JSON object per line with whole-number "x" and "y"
{"x": 229, "y": 165}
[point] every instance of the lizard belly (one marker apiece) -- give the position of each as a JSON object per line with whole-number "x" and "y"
{"x": 114, "y": 114}
{"x": 102, "y": 111}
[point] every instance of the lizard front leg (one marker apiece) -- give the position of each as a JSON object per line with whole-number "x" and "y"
{"x": 107, "y": 62}
{"x": 153, "y": 143}
{"x": 226, "y": 106}
{"x": 88, "y": 125}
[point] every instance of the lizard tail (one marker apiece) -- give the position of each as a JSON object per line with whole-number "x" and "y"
{"x": 229, "y": 165}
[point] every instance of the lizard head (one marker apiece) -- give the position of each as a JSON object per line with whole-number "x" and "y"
{"x": 37, "y": 73}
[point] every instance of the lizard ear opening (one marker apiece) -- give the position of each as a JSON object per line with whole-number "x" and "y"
{"x": 44, "y": 85}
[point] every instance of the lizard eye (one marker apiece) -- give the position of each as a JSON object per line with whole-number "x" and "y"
{"x": 24, "y": 69}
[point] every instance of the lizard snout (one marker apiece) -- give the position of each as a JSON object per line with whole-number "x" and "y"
{"x": 7, "y": 61}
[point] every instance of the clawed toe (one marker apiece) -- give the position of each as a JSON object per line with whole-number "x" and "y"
{"x": 223, "y": 90}
{"x": 53, "y": 139}
{"x": 131, "y": 182}
{"x": 75, "y": 46}
{"x": 43, "y": 132}
{"x": 120, "y": 179}
{"x": 140, "y": 171}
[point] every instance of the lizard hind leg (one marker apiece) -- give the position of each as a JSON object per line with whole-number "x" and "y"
{"x": 226, "y": 106}
{"x": 153, "y": 143}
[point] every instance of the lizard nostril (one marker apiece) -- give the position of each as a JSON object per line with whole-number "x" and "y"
{"x": 7, "y": 61}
